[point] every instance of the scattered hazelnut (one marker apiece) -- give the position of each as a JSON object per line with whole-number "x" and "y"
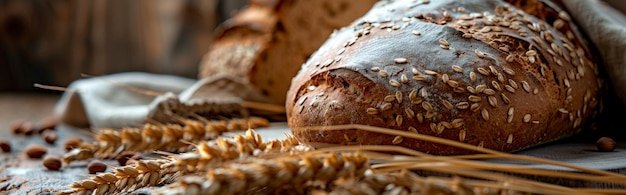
{"x": 5, "y": 145}
{"x": 41, "y": 131}
{"x": 48, "y": 123}
{"x": 72, "y": 143}
{"x": 27, "y": 128}
{"x": 35, "y": 151}
{"x": 16, "y": 126}
{"x": 49, "y": 136}
{"x": 131, "y": 162}
{"x": 52, "y": 163}
{"x": 125, "y": 156}
{"x": 96, "y": 166}
{"x": 606, "y": 144}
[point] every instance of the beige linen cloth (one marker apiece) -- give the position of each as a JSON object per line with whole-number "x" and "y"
{"x": 107, "y": 102}
{"x": 128, "y": 99}
{"x": 606, "y": 28}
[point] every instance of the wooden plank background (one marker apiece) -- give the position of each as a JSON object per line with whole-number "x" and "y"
{"x": 53, "y": 42}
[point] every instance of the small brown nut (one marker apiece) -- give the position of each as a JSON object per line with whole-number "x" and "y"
{"x": 27, "y": 128}
{"x": 131, "y": 162}
{"x": 72, "y": 143}
{"x": 125, "y": 156}
{"x": 16, "y": 127}
{"x": 96, "y": 166}
{"x": 606, "y": 144}
{"x": 48, "y": 123}
{"x": 35, "y": 151}
{"x": 49, "y": 136}
{"x": 5, "y": 145}
{"x": 41, "y": 131}
{"x": 52, "y": 163}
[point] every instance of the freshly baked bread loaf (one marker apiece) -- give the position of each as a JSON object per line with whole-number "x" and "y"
{"x": 482, "y": 72}
{"x": 267, "y": 42}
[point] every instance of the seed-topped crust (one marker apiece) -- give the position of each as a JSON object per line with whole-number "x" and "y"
{"x": 503, "y": 69}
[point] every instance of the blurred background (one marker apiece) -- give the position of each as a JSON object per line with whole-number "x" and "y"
{"x": 53, "y": 41}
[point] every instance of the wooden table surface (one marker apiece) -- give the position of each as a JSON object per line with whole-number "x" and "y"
{"x": 20, "y": 175}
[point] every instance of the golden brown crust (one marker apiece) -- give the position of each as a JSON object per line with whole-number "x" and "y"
{"x": 479, "y": 72}
{"x": 239, "y": 41}
{"x": 267, "y": 42}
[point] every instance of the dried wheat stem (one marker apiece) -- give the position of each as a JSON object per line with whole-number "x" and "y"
{"x": 421, "y": 160}
{"x": 506, "y": 182}
{"x": 124, "y": 85}
{"x": 212, "y": 153}
{"x": 264, "y": 106}
{"x": 505, "y": 168}
{"x": 404, "y": 182}
{"x": 109, "y": 142}
{"x": 287, "y": 172}
{"x": 208, "y": 155}
{"x": 488, "y": 179}
{"x": 84, "y": 151}
{"x": 371, "y": 183}
{"x": 458, "y": 165}
{"x": 122, "y": 179}
{"x": 433, "y": 139}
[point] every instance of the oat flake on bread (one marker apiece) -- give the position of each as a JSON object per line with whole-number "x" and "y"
{"x": 485, "y": 73}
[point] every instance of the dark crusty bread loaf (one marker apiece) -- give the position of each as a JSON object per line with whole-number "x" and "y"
{"x": 267, "y": 42}
{"x": 480, "y": 72}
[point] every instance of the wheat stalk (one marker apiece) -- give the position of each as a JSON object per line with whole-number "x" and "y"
{"x": 288, "y": 172}
{"x": 489, "y": 152}
{"x": 211, "y": 154}
{"x": 403, "y": 182}
{"x": 406, "y": 183}
{"x": 498, "y": 175}
{"x": 207, "y": 155}
{"x": 123, "y": 179}
{"x": 150, "y": 137}
{"x": 247, "y": 164}
{"x": 447, "y": 164}
{"x": 84, "y": 151}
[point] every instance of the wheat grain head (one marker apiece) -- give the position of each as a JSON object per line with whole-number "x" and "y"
{"x": 286, "y": 172}
{"x": 151, "y": 137}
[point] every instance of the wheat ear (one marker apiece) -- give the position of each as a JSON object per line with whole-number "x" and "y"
{"x": 207, "y": 155}
{"x": 406, "y": 182}
{"x": 168, "y": 137}
{"x": 371, "y": 183}
{"x": 254, "y": 175}
{"x": 123, "y": 179}
{"x": 212, "y": 153}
